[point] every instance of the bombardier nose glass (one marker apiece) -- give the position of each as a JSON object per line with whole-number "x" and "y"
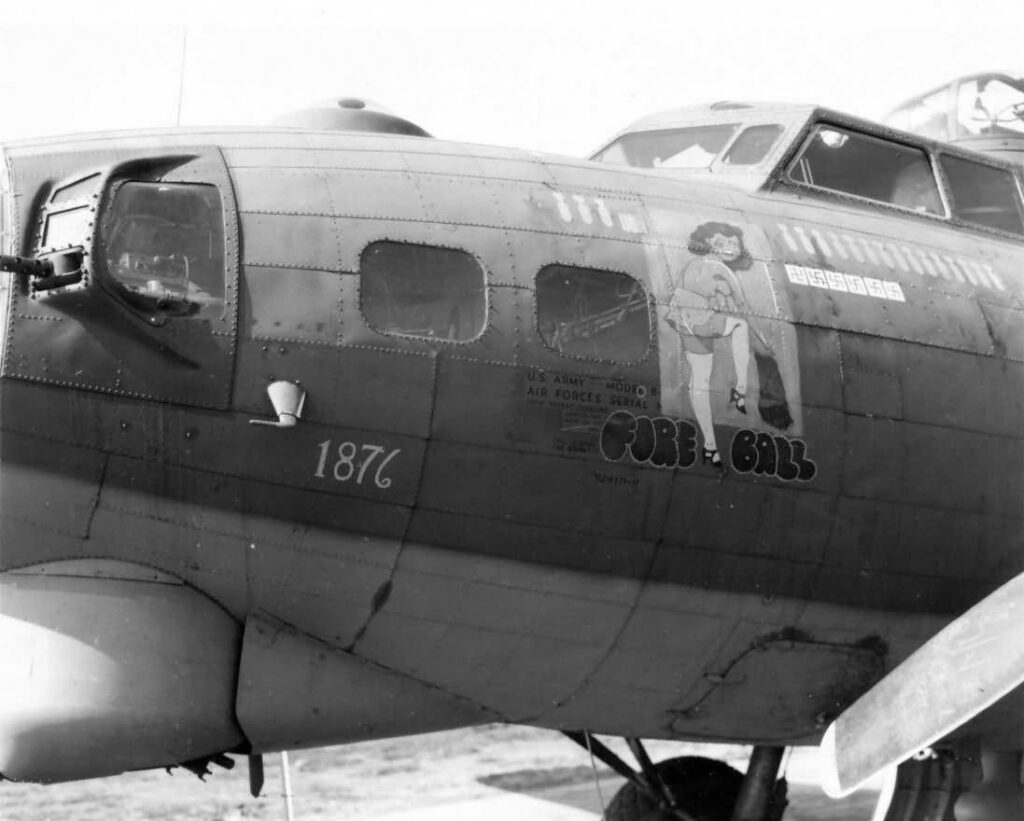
{"x": 165, "y": 248}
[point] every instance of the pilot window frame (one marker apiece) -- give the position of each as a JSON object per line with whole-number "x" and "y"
{"x": 539, "y": 313}
{"x": 187, "y": 165}
{"x": 844, "y": 131}
{"x": 480, "y": 300}
{"x": 722, "y": 161}
{"x": 982, "y": 161}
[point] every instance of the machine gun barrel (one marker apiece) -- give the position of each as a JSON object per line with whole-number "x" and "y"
{"x": 26, "y": 265}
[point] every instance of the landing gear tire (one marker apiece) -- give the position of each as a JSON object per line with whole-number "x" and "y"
{"x": 703, "y": 787}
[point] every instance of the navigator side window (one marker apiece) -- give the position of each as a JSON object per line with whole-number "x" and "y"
{"x": 844, "y": 161}
{"x": 423, "y": 291}
{"x": 593, "y": 314}
{"x": 165, "y": 247}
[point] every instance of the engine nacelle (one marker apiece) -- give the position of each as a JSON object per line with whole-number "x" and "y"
{"x": 108, "y": 667}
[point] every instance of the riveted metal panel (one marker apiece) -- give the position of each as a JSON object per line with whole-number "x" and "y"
{"x": 376, "y": 195}
{"x": 489, "y": 482}
{"x": 517, "y": 167}
{"x": 962, "y": 392}
{"x": 53, "y": 485}
{"x": 872, "y": 375}
{"x": 1006, "y": 325}
{"x": 875, "y": 458}
{"x": 754, "y": 520}
{"x": 329, "y": 582}
{"x": 953, "y": 471}
{"x": 275, "y": 190}
{"x": 288, "y": 159}
{"x": 378, "y": 389}
{"x": 478, "y": 535}
{"x": 288, "y": 241}
{"x": 112, "y": 348}
{"x": 271, "y": 311}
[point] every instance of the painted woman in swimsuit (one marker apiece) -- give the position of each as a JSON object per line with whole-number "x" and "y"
{"x": 706, "y": 305}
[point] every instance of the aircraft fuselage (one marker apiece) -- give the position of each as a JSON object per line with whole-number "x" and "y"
{"x": 523, "y": 509}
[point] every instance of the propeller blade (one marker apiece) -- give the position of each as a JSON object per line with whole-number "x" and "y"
{"x": 966, "y": 667}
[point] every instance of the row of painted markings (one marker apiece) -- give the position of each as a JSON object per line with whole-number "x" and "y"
{"x": 902, "y": 257}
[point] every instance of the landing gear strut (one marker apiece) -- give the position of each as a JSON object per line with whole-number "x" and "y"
{"x": 692, "y": 788}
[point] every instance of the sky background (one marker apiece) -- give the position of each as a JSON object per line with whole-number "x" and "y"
{"x": 549, "y": 76}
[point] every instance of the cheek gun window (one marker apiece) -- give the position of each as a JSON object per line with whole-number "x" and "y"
{"x": 593, "y": 314}
{"x": 165, "y": 247}
{"x": 424, "y": 291}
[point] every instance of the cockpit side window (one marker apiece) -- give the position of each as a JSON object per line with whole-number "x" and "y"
{"x": 983, "y": 194}
{"x": 752, "y": 145}
{"x": 165, "y": 247}
{"x": 847, "y": 162}
{"x": 593, "y": 314}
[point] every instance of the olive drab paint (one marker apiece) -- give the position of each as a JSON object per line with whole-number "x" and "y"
{"x": 641, "y": 451}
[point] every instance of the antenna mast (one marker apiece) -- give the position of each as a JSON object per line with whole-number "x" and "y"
{"x": 181, "y": 72}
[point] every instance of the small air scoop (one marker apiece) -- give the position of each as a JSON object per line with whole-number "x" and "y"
{"x": 288, "y": 399}
{"x": 349, "y": 114}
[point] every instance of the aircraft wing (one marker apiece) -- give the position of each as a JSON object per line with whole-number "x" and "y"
{"x": 965, "y": 668}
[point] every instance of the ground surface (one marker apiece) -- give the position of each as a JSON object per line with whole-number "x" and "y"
{"x": 493, "y": 772}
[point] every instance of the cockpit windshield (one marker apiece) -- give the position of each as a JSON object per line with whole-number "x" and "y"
{"x": 672, "y": 148}
{"x": 165, "y": 247}
{"x": 693, "y": 147}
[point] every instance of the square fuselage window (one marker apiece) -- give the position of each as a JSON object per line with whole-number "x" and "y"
{"x": 593, "y": 314}
{"x": 423, "y": 291}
